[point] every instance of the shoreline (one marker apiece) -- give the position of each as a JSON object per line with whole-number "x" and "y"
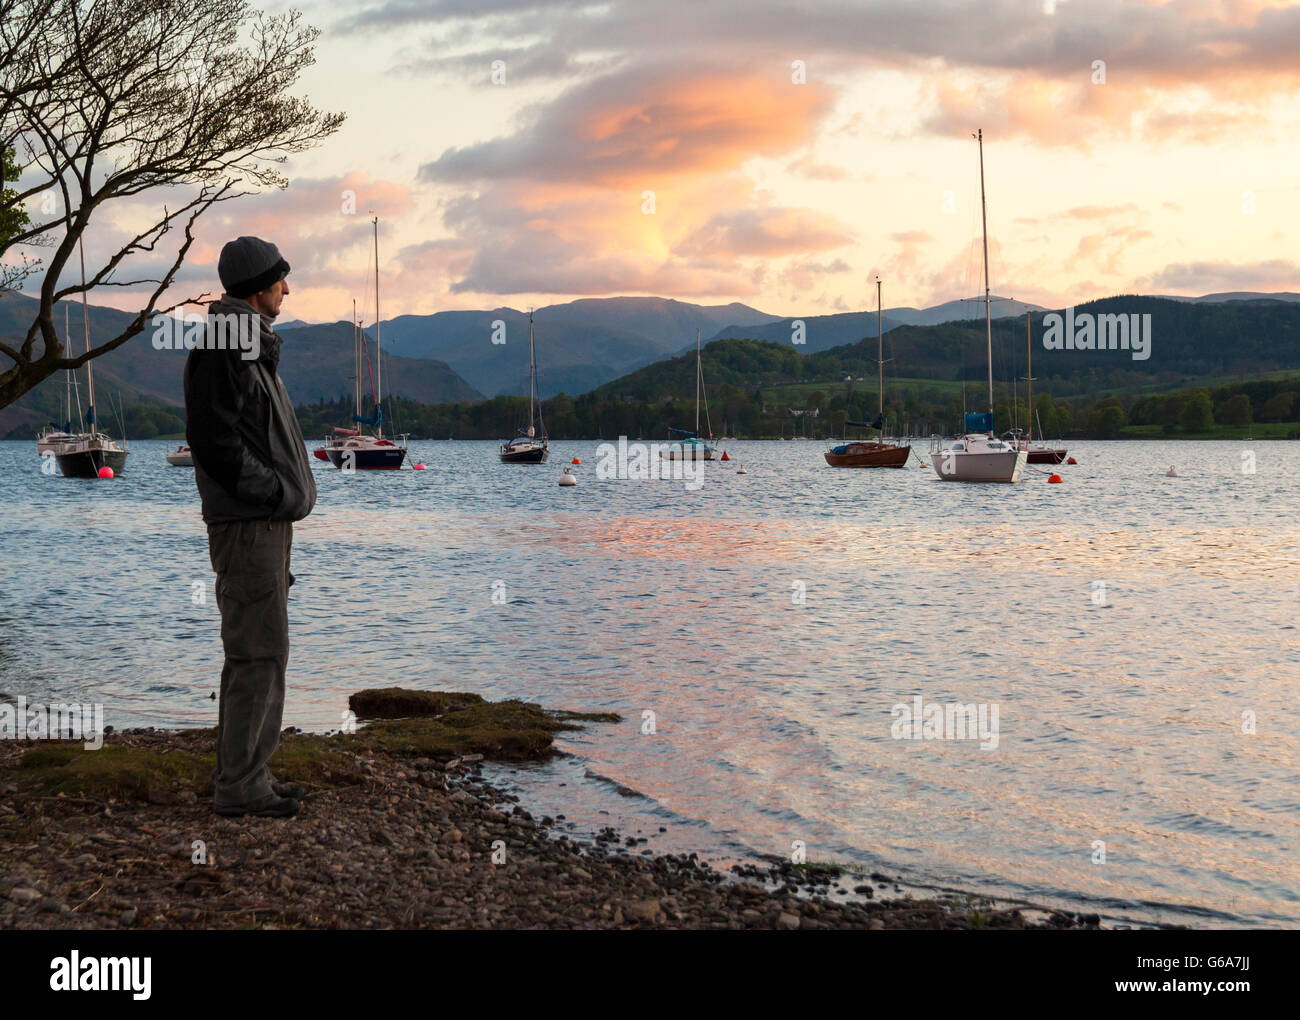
{"x": 388, "y": 837}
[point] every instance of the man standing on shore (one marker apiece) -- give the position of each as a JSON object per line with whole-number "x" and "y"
{"x": 254, "y": 479}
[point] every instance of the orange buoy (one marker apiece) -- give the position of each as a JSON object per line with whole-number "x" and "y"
{"x": 106, "y": 472}
{"x": 575, "y": 461}
{"x": 724, "y": 456}
{"x": 1071, "y": 460}
{"x": 1055, "y": 478}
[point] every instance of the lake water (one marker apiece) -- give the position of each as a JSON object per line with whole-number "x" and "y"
{"x": 1129, "y": 629}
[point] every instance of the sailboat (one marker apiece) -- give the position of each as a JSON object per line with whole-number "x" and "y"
{"x": 870, "y": 454}
{"x": 979, "y": 456}
{"x": 693, "y": 446}
{"x": 83, "y": 455}
{"x": 351, "y": 449}
{"x": 1036, "y": 454}
{"x": 528, "y": 447}
{"x": 55, "y": 436}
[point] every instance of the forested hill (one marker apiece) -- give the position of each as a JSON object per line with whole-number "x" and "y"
{"x": 1188, "y": 342}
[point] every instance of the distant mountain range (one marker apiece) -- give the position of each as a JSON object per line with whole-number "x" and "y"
{"x": 1236, "y": 295}
{"x": 585, "y": 344}
{"x": 315, "y": 364}
{"x": 580, "y": 344}
{"x": 822, "y": 332}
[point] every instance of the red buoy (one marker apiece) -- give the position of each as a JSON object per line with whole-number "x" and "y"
{"x": 417, "y": 467}
{"x": 724, "y": 456}
{"x": 575, "y": 461}
{"x": 1055, "y": 478}
{"x": 106, "y": 472}
{"x": 1071, "y": 460}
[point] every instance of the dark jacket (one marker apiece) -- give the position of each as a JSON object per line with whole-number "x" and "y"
{"x": 250, "y": 461}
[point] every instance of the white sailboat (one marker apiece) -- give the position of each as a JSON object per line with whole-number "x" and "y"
{"x": 979, "y": 456}
{"x": 693, "y": 446}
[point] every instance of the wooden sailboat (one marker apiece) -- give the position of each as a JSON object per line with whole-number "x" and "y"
{"x": 979, "y": 456}
{"x": 84, "y": 454}
{"x": 350, "y": 449}
{"x": 692, "y": 445}
{"x": 871, "y": 454}
{"x": 528, "y": 447}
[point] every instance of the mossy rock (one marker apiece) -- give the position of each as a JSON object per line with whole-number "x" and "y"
{"x": 114, "y": 770}
{"x": 427, "y": 724}
{"x": 433, "y": 738}
{"x": 505, "y": 730}
{"x": 313, "y": 759}
{"x": 399, "y": 703}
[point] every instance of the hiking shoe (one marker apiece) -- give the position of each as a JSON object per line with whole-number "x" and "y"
{"x": 275, "y": 807}
{"x": 288, "y": 790}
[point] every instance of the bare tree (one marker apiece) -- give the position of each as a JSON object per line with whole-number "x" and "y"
{"x": 103, "y": 101}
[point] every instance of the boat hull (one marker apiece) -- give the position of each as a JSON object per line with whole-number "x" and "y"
{"x": 86, "y": 463}
{"x": 532, "y": 455}
{"x": 180, "y": 459}
{"x": 870, "y": 455}
{"x": 386, "y": 458}
{"x": 962, "y": 466}
{"x": 687, "y": 453}
{"x": 1046, "y": 456}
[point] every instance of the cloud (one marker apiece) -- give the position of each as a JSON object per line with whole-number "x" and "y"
{"x": 768, "y": 232}
{"x": 1035, "y": 68}
{"x": 1211, "y": 277}
{"x": 635, "y": 127}
{"x": 633, "y": 182}
{"x": 806, "y": 166}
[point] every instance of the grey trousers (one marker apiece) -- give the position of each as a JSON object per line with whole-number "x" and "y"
{"x": 251, "y": 559}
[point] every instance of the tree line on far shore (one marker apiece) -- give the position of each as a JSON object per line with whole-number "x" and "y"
{"x": 733, "y": 412}
{"x": 1198, "y": 412}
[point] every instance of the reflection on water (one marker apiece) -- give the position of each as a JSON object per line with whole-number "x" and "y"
{"x": 1125, "y": 625}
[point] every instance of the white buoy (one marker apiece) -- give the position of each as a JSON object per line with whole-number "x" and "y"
{"x": 567, "y": 478}
{"x": 1171, "y": 473}
{"x": 740, "y": 469}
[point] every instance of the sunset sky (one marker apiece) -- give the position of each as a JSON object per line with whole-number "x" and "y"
{"x": 1178, "y": 174}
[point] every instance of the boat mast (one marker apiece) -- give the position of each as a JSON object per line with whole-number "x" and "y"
{"x": 379, "y": 347}
{"x": 988, "y": 320}
{"x": 1029, "y": 371}
{"x": 85, "y": 322}
{"x": 532, "y": 375}
{"x": 698, "y": 379}
{"x": 880, "y": 358}
{"x": 356, "y": 356}
{"x": 67, "y": 380}
{"x": 67, "y": 336}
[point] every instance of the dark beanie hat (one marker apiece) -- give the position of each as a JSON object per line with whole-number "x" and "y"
{"x": 248, "y": 265}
